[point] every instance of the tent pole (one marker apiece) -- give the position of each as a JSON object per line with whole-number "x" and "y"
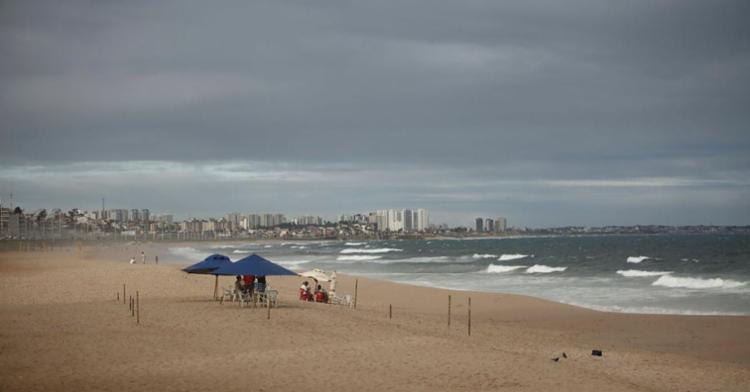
{"x": 216, "y": 286}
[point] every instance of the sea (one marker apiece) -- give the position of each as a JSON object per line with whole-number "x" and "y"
{"x": 657, "y": 274}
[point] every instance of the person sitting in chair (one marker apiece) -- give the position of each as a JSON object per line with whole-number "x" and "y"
{"x": 238, "y": 286}
{"x": 320, "y": 295}
{"x": 304, "y": 291}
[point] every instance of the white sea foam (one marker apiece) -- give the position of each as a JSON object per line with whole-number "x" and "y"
{"x": 544, "y": 269}
{"x": 357, "y": 258}
{"x": 189, "y": 253}
{"x": 515, "y": 256}
{"x": 697, "y": 283}
{"x": 268, "y": 246}
{"x": 638, "y": 274}
{"x": 483, "y": 256}
{"x": 379, "y": 250}
{"x": 499, "y": 269}
{"x": 636, "y": 259}
{"x": 435, "y": 259}
{"x": 291, "y": 263}
{"x": 298, "y": 247}
{"x": 240, "y": 251}
{"x": 355, "y": 243}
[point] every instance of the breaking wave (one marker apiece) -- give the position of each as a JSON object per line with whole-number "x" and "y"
{"x": 512, "y": 257}
{"x": 639, "y": 274}
{"x": 697, "y": 283}
{"x": 499, "y": 269}
{"x": 544, "y": 269}
{"x": 636, "y": 259}
{"x": 379, "y": 250}
{"x": 483, "y": 256}
{"x": 355, "y": 243}
{"x": 358, "y": 258}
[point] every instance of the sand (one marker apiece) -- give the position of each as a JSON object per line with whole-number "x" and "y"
{"x": 63, "y": 329}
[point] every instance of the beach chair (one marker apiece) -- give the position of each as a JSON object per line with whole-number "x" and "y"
{"x": 268, "y": 296}
{"x": 345, "y": 300}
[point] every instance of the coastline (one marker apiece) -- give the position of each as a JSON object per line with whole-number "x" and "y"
{"x": 62, "y": 319}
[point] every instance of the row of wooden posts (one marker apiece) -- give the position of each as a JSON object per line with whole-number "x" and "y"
{"x": 135, "y": 308}
{"x": 468, "y": 324}
{"x": 134, "y": 304}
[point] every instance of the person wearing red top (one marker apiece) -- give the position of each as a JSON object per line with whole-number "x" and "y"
{"x": 249, "y": 283}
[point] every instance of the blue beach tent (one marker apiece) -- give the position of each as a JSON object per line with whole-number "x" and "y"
{"x": 208, "y": 266}
{"x": 252, "y": 265}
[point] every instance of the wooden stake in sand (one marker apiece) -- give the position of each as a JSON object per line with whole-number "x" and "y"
{"x": 469, "y": 316}
{"x": 356, "y": 283}
{"x": 118, "y": 297}
{"x": 216, "y": 287}
{"x": 123, "y": 293}
{"x": 132, "y": 307}
{"x": 137, "y": 308}
{"x": 449, "y": 310}
{"x": 268, "y": 304}
{"x": 130, "y": 303}
{"x": 390, "y": 311}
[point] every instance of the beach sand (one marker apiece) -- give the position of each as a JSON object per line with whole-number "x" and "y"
{"x": 63, "y": 329}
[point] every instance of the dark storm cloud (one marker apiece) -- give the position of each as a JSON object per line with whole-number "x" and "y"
{"x": 514, "y": 90}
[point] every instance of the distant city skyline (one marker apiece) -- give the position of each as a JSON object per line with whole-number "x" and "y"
{"x": 548, "y": 113}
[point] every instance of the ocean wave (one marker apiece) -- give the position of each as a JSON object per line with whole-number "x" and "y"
{"x": 434, "y": 259}
{"x": 515, "y": 256}
{"x": 638, "y": 274}
{"x": 499, "y": 269}
{"x": 355, "y": 243}
{"x": 189, "y": 253}
{"x": 697, "y": 283}
{"x": 358, "y": 258}
{"x": 636, "y": 259}
{"x": 544, "y": 269}
{"x": 240, "y": 251}
{"x": 379, "y": 250}
{"x": 483, "y": 256}
{"x": 291, "y": 263}
{"x": 298, "y": 247}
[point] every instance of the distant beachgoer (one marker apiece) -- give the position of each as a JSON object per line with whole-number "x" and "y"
{"x": 143, "y": 257}
{"x": 132, "y": 260}
{"x": 156, "y": 259}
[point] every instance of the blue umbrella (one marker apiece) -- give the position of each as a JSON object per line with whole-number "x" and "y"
{"x": 252, "y": 265}
{"x": 208, "y": 266}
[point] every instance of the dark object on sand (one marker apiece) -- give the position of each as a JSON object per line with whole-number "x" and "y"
{"x": 596, "y": 353}
{"x": 565, "y": 355}
{"x": 556, "y": 359}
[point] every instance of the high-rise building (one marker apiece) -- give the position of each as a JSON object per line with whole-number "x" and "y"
{"x": 500, "y": 224}
{"x": 145, "y": 215}
{"x": 489, "y": 225}
{"x": 408, "y": 220}
{"x": 422, "y": 219}
{"x": 479, "y": 226}
{"x": 135, "y": 215}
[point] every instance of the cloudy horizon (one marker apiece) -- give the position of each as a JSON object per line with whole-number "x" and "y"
{"x": 548, "y": 113}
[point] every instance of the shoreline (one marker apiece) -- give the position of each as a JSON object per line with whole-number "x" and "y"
{"x": 164, "y": 248}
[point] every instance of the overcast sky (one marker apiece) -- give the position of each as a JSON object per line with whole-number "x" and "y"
{"x": 547, "y": 112}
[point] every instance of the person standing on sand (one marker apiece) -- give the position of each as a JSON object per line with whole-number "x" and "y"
{"x": 156, "y": 259}
{"x": 143, "y": 257}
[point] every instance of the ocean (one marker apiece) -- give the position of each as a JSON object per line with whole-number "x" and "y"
{"x": 662, "y": 274}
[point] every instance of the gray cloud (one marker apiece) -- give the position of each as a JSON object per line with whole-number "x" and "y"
{"x": 514, "y": 94}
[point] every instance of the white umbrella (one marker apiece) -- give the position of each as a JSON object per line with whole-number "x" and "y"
{"x": 318, "y": 274}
